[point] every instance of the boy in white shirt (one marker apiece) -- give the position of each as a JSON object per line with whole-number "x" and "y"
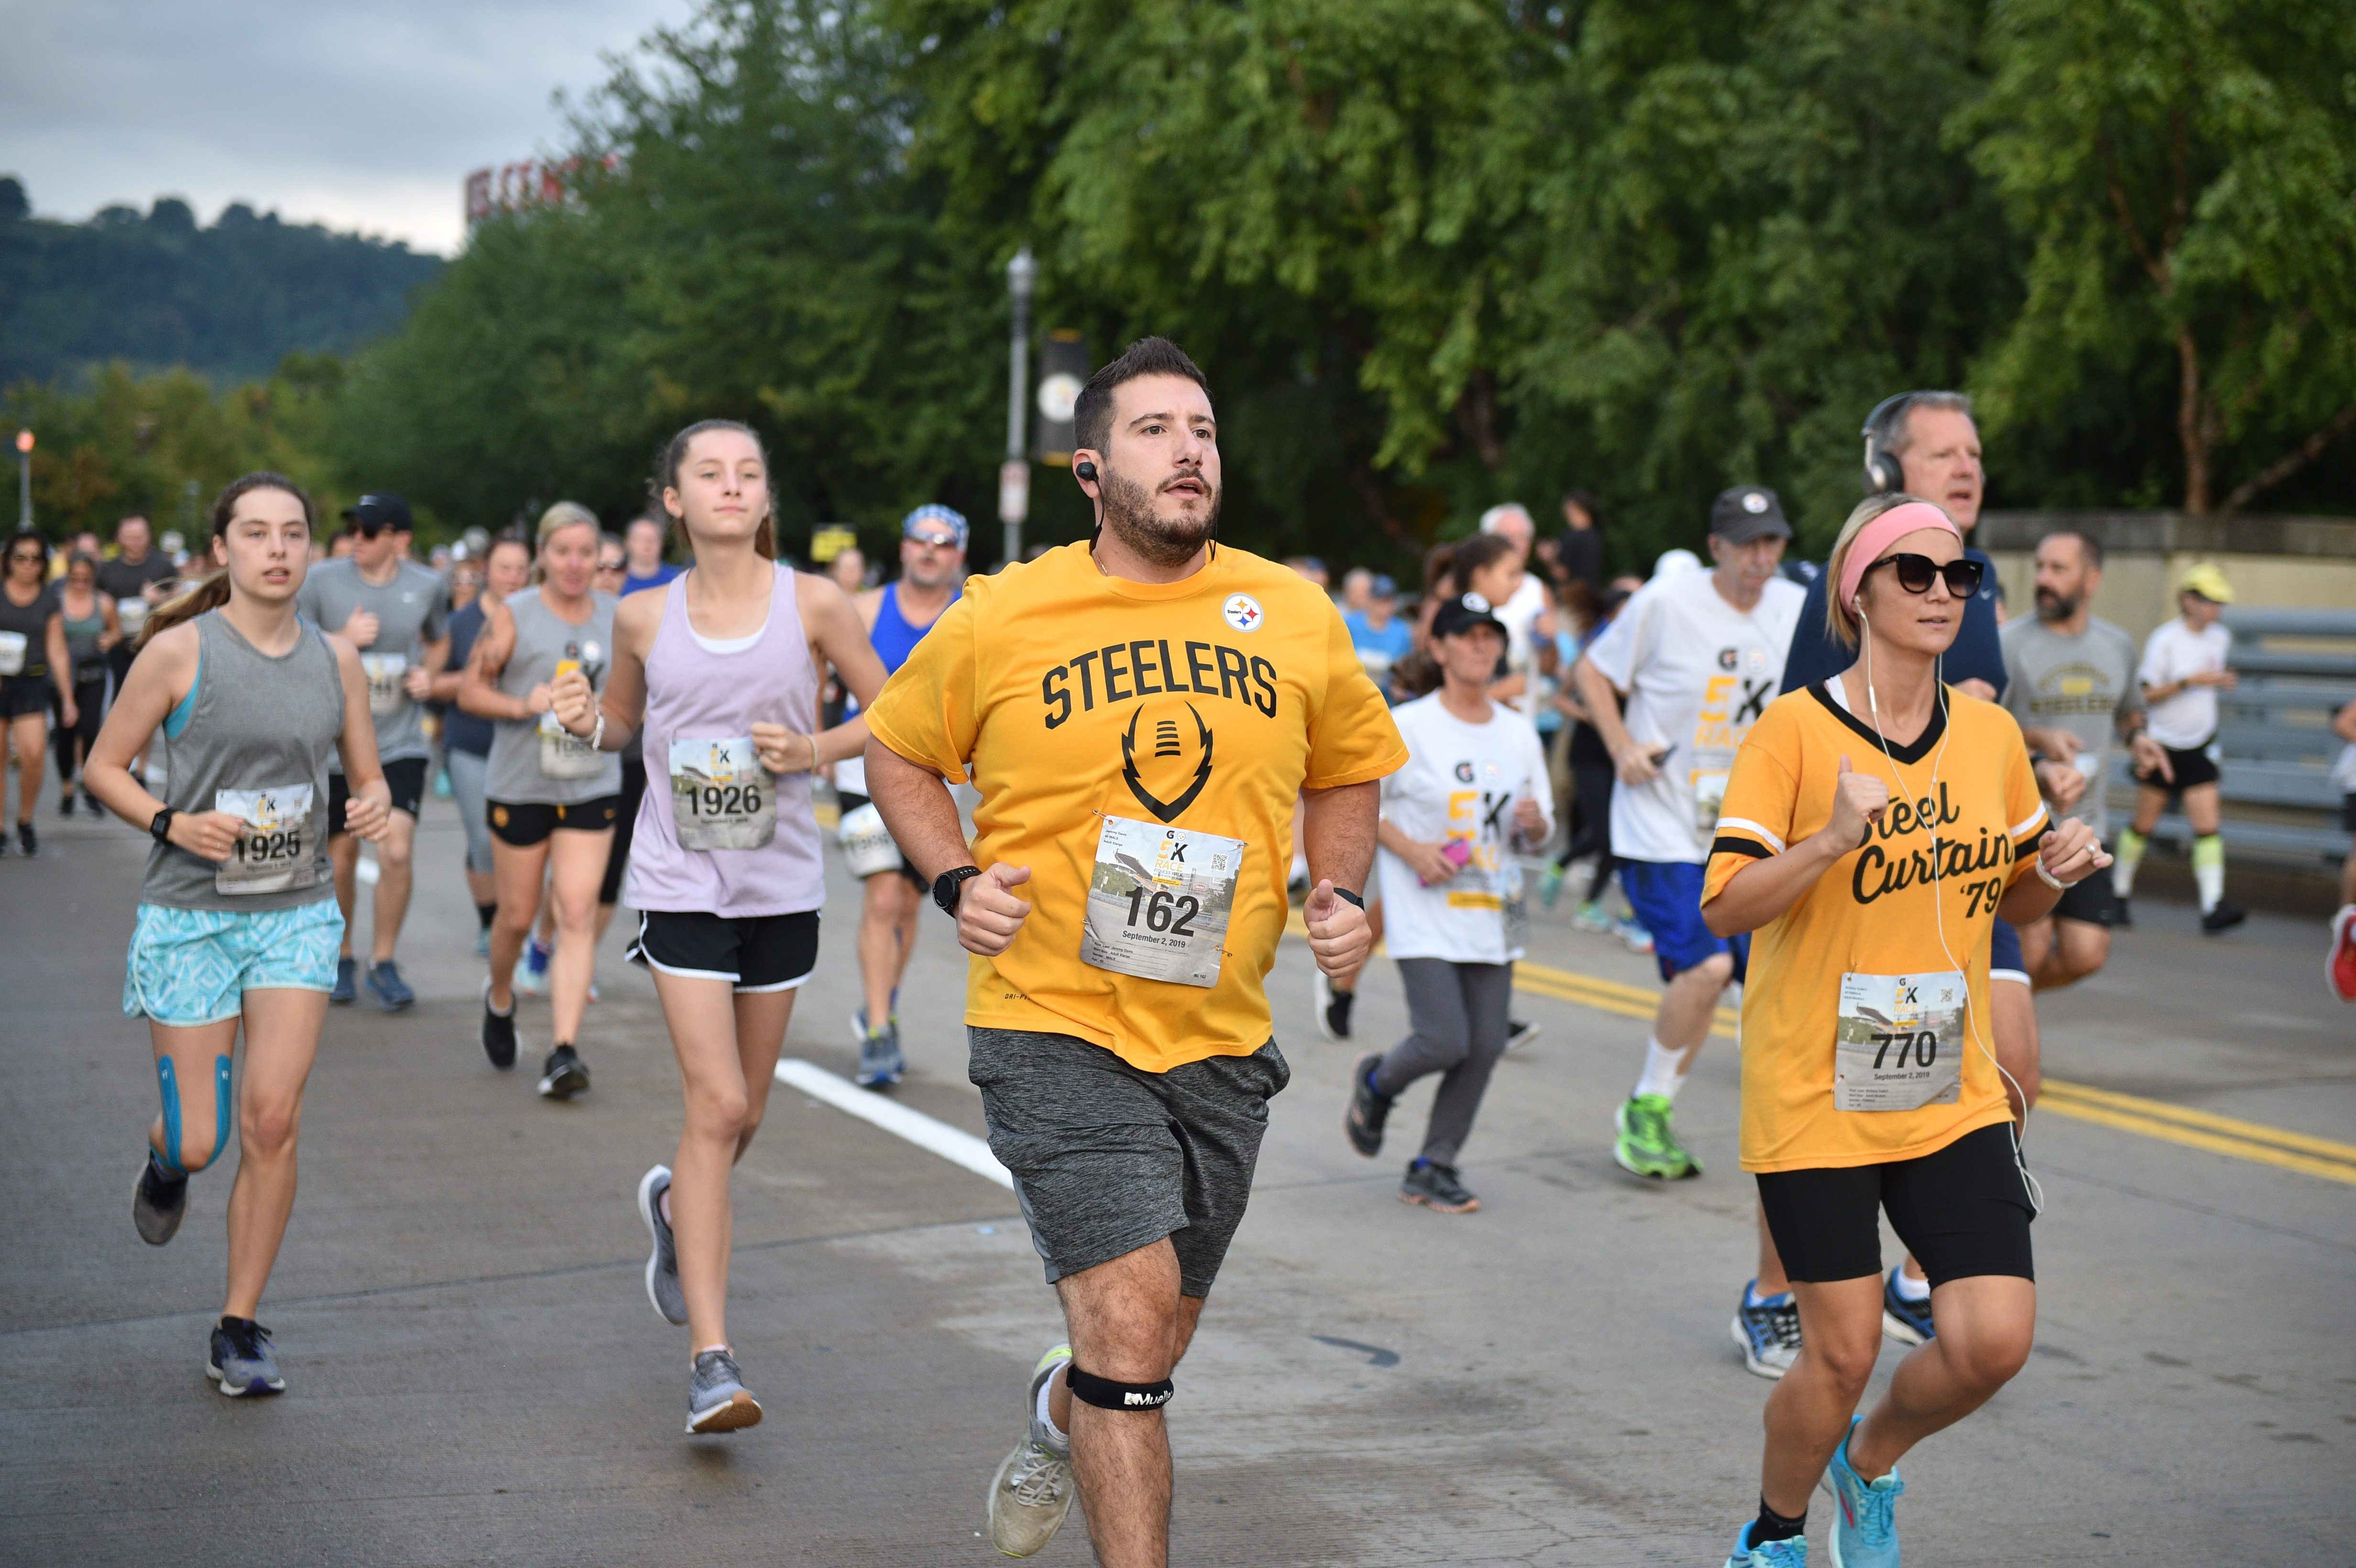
{"x": 2183, "y": 669}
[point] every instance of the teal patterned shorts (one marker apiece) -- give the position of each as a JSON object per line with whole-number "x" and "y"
{"x": 187, "y": 967}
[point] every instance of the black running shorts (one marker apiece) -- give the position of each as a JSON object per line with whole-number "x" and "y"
{"x": 405, "y": 776}
{"x": 2090, "y": 900}
{"x": 2187, "y": 769}
{"x": 1962, "y": 1211}
{"x": 1109, "y": 1158}
{"x": 529, "y": 822}
{"x": 752, "y": 952}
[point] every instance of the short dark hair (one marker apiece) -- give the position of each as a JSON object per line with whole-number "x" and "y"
{"x": 1092, "y": 413}
{"x": 2090, "y": 550}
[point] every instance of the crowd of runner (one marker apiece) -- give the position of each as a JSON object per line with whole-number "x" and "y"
{"x": 1856, "y": 800}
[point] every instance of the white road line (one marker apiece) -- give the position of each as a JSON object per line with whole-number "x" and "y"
{"x": 952, "y": 1144}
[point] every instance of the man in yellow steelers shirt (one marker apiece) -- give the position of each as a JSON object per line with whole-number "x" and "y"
{"x": 1140, "y": 714}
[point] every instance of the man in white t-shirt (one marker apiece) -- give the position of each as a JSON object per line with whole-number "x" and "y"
{"x": 1523, "y": 611}
{"x": 1473, "y": 792}
{"x": 1698, "y": 656}
{"x": 2183, "y": 669}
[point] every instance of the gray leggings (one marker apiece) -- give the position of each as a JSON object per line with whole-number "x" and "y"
{"x": 1457, "y": 1014}
{"x": 468, "y": 775}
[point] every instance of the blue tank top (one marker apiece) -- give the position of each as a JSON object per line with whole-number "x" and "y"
{"x": 894, "y": 639}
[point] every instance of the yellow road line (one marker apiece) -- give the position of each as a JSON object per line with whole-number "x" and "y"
{"x": 2181, "y": 1125}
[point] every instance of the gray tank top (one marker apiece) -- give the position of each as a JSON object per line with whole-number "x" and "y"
{"x": 534, "y": 761}
{"x": 252, "y": 738}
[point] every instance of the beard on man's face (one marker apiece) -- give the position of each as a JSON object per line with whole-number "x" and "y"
{"x": 1166, "y": 542}
{"x": 2054, "y": 606}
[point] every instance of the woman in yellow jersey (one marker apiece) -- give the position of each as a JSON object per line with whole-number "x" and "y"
{"x": 1872, "y": 829}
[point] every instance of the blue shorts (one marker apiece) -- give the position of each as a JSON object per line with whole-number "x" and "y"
{"x": 1666, "y": 896}
{"x": 2004, "y": 962}
{"x": 188, "y": 967}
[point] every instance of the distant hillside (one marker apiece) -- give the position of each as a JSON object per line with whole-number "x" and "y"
{"x": 228, "y": 302}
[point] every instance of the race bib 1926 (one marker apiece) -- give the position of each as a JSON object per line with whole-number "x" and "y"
{"x": 1899, "y": 1044}
{"x": 1159, "y": 901}
{"x": 720, "y": 795}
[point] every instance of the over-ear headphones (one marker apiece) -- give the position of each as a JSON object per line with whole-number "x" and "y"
{"x": 1883, "y": 475}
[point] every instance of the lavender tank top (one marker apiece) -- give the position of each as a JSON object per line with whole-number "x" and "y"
{"x": 697, "y": 694}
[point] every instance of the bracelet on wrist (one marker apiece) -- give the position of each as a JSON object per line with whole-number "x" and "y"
{"x": 2050, "y": 880}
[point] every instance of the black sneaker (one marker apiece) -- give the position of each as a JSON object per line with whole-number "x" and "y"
{"x": 498, "y": 1033}
{"x": 158, "y": 1201}
{"x": 564, "y": 1074}
{"x": 27, "y": 841}
{"x": 66, "y": 805}
{"x": 1332, "y": 1008}
{"x": 1519, "y": 1032}
{"x": 2224, "y": 917}
{"x": 91, "y": 807}
{"x": 2121, "y": 919}
{"x": 1362, "y": 1117}
{"x": 1436, "y": 1187}
{"x": 347, "y": 970}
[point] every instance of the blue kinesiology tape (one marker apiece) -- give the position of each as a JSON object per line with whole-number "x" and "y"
{"x": 220, "y": 1106}
{"x": 170, "y": 1086}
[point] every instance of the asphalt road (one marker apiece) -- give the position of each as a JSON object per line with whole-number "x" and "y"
{"x": 475, "y": 1376}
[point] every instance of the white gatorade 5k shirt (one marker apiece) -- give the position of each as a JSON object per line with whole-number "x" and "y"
{"x": 1460, "y": 784}
{"x": 1698, "y": 673}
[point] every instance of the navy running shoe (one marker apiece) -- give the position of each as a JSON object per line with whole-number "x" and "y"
{"x": 347, "y": 970}
{"x": 240, "y": 1361}
{"x": 390, "y": 991}
{"x": 1908, "y": 1322}
{"x": 158, "y": 1201}
{"x": 1769, "y": 1333}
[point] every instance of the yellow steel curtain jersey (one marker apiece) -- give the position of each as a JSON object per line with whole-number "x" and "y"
{"x": 1070, "y": 697}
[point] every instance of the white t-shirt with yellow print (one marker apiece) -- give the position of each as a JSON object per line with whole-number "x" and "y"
{"x": 1208, "y": 703}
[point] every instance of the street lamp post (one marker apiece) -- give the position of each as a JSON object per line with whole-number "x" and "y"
{"x": 25, "y": 479}
{"x": 1014, "y": 473}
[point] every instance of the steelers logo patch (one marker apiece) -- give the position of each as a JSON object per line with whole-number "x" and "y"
{"x": 1242, "y": 611}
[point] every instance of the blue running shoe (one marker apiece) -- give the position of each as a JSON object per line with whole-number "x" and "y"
{"x": 390, "y": 991}
{"x": 346, "y": 969}
{"x": 240, "y": 1361}
{"x": 1908, "y": 1322}
{"x": 1864, "y": 1526}
{"x": 1769, "y": 1333}
{"x": 1791, "y": 1553}
{"x": 531, "y": 973}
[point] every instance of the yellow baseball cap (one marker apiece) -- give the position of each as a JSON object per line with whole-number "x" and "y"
{"x": 2207, "y": 582}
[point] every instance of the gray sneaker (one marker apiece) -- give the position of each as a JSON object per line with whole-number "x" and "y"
{"x": 240, "y": 1361}
{"x": 158, "y": 1201}
{"x": 717, "y": 1400}
{"x": 662, "y": 1263}
{"x": 880, "y": 1062}
{"x": 1033, "y": 1488}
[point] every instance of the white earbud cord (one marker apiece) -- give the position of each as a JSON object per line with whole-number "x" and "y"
{"x": 1938, "y": 910}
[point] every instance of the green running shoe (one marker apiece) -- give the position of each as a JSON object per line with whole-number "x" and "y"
{"x": 1647, "y": 1145}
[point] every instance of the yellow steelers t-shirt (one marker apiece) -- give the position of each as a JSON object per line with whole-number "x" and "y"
{"x": 1209, "y": 704}
{"x": 1973, "y": 794}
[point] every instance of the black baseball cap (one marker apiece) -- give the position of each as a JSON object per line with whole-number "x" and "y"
{"x": 1457, "y": 616}
{"x": 379, "y": 510}
{"x": 1748, "y": 512}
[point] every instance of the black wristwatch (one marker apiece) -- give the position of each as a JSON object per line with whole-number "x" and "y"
{"x": 1348, "y": 897}
{"x": 161, "y": 829}
{"x": 949, "y": 887}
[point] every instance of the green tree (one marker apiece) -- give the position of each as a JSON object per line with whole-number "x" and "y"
{"x": 2187, "y": 171}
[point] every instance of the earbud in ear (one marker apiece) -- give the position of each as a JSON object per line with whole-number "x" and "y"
{"x": 1085, "y": 470}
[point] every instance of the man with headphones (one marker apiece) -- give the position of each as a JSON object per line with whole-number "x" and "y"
{"x": 1926, "y": 445}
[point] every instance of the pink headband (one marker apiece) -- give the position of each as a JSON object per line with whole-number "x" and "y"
{"x": 1880, "y": 534}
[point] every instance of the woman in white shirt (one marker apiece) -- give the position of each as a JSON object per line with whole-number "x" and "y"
{"x": 2182, "y": 671}
{"x": 1473, "y": 792}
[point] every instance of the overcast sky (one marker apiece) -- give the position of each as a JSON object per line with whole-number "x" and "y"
{"x": 363, "y": 117}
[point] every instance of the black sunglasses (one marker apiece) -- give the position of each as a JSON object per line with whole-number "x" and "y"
{"x": 32, "y": 556}
{"x": 1915, "y": 571}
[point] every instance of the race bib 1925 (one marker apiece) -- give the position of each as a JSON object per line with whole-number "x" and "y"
{"x": 277, "y": 851}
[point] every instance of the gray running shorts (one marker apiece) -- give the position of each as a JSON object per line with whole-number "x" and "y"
{"x": 1107, "y": 1157}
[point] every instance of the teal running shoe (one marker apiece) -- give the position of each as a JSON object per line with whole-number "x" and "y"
{"x": 1592, "y": 917}
{"x": 1550, "y": 884}
{"x": 1865, "y": 1527}
{"x": 1791, "y": 1553}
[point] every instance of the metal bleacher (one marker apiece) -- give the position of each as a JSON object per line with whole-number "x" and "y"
{"x": 2297, "y": 668}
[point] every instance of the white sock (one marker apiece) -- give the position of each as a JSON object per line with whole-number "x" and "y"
{"x": 1661, "y": 1076}
{"x": 1912, "y": 1289}
{"x": 2211, "y": 881}
{"x": 1062, "y": 1439}
{"x": 1750, "y": 1296}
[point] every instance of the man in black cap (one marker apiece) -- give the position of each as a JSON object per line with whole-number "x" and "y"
{"x": 397, "y": 613}
{"x": 1699, "y": 657}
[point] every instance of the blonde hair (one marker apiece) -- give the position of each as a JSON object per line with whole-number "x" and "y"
{"x": 562, "y": 516}
{"x": 1838, "y": 617}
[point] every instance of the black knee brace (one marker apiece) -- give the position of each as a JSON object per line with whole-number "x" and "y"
{"x": 1106, "y": 1395}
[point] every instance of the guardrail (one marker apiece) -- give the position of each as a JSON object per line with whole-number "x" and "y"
{"x": 2275, "y": 736}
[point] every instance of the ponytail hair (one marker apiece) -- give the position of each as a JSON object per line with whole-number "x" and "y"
{"x": 674, "y": 457}
{"x": 212, "y": 593}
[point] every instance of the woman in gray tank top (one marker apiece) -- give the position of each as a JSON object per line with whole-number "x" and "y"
{"x": 722, "y": 667}
{"x": 552, "y": 798}
{"x": 237, "y": 922}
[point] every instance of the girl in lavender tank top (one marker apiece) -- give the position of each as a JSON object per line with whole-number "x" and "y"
{"x": 721, "y": 668}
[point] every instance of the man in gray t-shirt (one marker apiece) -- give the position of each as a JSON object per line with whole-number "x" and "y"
{"x": 2070, "y": 679}
{"x": 398, "y": 614}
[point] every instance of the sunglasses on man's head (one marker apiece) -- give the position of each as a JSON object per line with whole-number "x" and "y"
{"x": 1914, "y": 573}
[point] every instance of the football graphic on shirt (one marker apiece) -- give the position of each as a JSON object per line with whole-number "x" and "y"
{"x": 1166, "y": 756}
